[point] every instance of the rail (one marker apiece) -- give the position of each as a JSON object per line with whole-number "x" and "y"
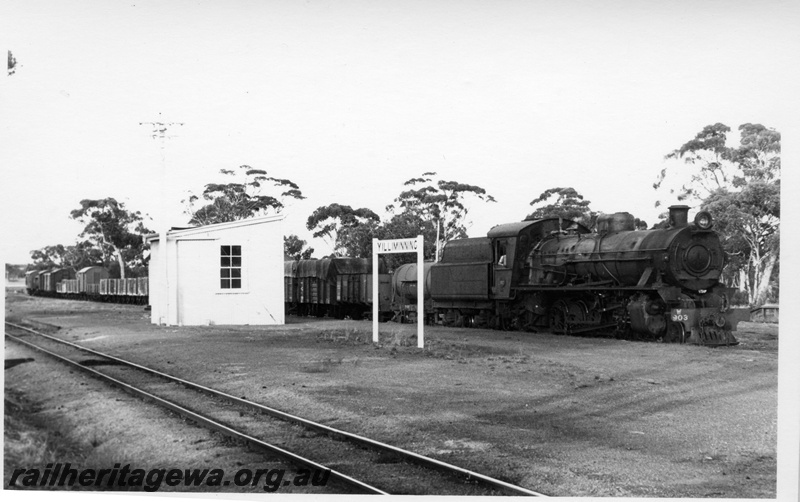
{"x": 410, "y": 456}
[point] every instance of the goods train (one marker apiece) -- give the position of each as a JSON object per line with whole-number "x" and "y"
{"x": 551, "y": 275}
{"x": 558, "y": 276}
{"x": 334, "y": 287}
{"x": 89, "y": 283}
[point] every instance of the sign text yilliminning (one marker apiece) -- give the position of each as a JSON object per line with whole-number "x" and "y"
{"x": 397, "y": 246}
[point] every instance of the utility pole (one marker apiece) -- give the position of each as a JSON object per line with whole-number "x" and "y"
{"x": 159, "y": 133}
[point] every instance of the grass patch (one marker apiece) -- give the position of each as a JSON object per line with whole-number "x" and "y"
{"x": 321, "y": 366}
{"x": 28, "y": 445}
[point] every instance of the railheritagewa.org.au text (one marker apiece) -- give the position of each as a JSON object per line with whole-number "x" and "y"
{"x": 125, "y": 477}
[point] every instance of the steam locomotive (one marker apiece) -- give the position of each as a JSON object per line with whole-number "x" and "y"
{"x": 556, "y": 275}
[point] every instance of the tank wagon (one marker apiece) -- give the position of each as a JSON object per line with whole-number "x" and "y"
{"x": 556, "y": 275}
{"x": 334, "y": 287}
{"x": 404, "y": 293}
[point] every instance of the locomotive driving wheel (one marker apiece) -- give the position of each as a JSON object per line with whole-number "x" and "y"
{"x": 526, "y": 321}
{"x": 558, "y": 318}
{"x": 576, "y": 311}
{"x": 675, "y": 333}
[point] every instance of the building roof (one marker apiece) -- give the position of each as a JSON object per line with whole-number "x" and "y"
{"x": 185, "y": 232}
{"x": 86, "y": 269}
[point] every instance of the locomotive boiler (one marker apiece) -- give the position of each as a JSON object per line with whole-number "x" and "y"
{"x": 557, "y": 275}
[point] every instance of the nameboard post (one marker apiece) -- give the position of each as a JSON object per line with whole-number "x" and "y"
{"x": 413, "y": 245}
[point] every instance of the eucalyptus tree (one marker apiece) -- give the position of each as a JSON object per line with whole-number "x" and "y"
{"x": 562, "y": 202}
{"x": 250, "y": 193}
{"x": 296, "y": 248}
{"x": 441, "y": 202}
{"x": 749, "y": 223}
{"x": 117, "y": 232}
{"x": 76, "y": 256}
{"x": 709, "y": 164}
{"x": 740, "y": 186}
{"x": 348, "y": 231}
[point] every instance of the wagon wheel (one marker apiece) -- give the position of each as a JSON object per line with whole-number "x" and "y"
{"x": 449, "y": 318}
{"x": 558, "y": 318}
{"x": 430, "y": 318}
{"x": 504, "y": 322}
{"x": 460, "y": 319}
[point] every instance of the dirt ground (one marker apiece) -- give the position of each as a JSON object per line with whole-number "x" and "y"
{"x": 565, "y": 416}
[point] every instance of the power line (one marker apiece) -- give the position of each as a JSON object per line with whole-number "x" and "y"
{"x": 160, "y": 129}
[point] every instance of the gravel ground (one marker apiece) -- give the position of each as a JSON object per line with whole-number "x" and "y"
{"x": 565, "y": 416}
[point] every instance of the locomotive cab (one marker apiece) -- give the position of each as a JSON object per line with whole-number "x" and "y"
{"x": 513, "y": 242}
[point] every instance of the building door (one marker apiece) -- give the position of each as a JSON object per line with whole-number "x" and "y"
{"x": 194, "y": 284}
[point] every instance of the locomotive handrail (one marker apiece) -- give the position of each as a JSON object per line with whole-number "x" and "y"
{"x": 636, "y": 258}
{"x": 609, "y": 272}
{"x": 557, "y": 253}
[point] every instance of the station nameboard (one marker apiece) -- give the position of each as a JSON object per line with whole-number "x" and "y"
{"x": 396, "y": 246}
{"x": 414, "y": 245}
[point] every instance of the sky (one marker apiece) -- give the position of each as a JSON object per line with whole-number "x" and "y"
{"x": 349, "y": 99}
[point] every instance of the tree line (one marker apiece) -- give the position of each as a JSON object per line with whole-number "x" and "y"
{"x": 739, "y": 185}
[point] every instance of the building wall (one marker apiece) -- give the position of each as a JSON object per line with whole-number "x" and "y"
{"x": 158, "y": 314}
{"x": 195, "y": 293}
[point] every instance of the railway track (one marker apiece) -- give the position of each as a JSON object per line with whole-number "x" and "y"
{"x": 360, "y": 464}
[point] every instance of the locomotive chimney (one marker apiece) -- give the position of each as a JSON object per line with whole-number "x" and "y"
{"x": 678, "y": 216}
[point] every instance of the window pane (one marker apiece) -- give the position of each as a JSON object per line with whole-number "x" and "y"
{"x": 230, "y": 263}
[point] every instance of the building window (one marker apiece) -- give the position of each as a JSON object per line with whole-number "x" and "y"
{"x": 230, "y": 272}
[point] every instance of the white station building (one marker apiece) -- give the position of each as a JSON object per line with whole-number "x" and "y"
{"x": 226, "y": 273}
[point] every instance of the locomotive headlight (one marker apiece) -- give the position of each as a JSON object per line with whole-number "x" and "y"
{"x": 703, "y": 220}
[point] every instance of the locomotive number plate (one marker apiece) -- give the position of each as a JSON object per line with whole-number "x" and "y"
{"x": 685, "y": 316}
